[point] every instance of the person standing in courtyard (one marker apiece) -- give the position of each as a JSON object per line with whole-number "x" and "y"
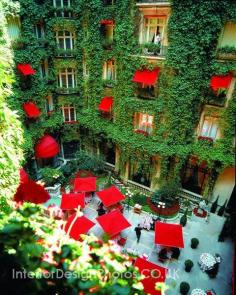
{"x": 138, "y": 230}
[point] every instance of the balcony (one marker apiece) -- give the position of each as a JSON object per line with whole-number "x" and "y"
{"x": 145, "y": 93}
{"x": 153, "y": 50}
{"x": 227, "y": 53}
{"x": 69, "y": 90}
{"x": 65, "y": 52}
{"x": 143, "y": 132}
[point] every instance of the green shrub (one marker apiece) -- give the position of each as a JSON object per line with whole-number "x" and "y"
{"x": 89, "y": 162}
{"x": 183, "y": 220}
{"x": 184, "y": 288}
{"x": 194, "y": 243}
{"x": 188, "y": 265}
{"x": 51, "y": 176}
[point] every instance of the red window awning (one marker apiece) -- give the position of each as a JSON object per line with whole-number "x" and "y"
{"x": 146, "y": 77}
{"x": 26, "y": 69}
{"x": 23, "y": 176}
{"x": 106, "y": 22}
{"x": 31, "y": 191}
{"x": 72, "y": 201}
{"x": 47, "y": 147}
{"x": 86, "y": 184}
{"x": 31, "y": 110}
{"x": 169, "y": 235}
{"x": 113, "y": 222}
{"x": 222, "y": 81}
{"x": 106, "y": 104}
{"x": 78, "y": 226}
{"x": 153, "y": 274}
{"x": 110, "y": 196}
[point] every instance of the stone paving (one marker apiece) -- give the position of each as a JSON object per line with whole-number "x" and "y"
{"x": 196, "y": 227}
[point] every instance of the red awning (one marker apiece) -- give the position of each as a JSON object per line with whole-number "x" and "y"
{"x": 107, "y": 22}
{"x": 72, "y": 201}
{"x": 169, "y": 235}
{"x": 31, "y": 110}
{"x": 31, "y": 191}
{"x": 26, "y": 69}
{"x": 218, "y": 82}
{"x": 23, "y": 176}
{"x": 106, "y": 104}
{"x": 147, "y": 77}
{"x": 110, "y": 196}
{"x": 81, "y": 225}
{"x": 113, "y": 222}
{"x": 86, "y": 184}
{"x": 46, "y": 147}
{"x": 153, "y": 274}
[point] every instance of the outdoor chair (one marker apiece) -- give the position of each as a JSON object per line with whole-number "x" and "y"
{"x": 122, "y": 241}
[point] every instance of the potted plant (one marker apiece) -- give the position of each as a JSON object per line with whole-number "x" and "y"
{"x": 194, "y": 243}
{"x": 188, "y": 265}
{"x": 184, "y": 288}
{"x": 222, "y": 209}
{"x": 183, "y": 219}
{"x": 214, "y": 205}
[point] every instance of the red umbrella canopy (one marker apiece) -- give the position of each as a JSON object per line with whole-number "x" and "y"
{"x": 23, "y": 176}
{"x": 169, "y": 235}
{"x": 153, "y": 274}
{"x": 113, "y": 222}
{"x": 31, "y": 192}
{"x": 86, "y": 184}
{"x": 31, "y": 110}
{"x": 72, "y": 201}
{"x": 81, "y": 225}
{"x": 110, "y": 196}
{"x": 47, "y": 147}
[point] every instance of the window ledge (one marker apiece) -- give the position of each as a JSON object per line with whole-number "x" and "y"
{"x": 138, "y": 131}
{"x": 205, "y": 138}
{"x": 71, "y": 122}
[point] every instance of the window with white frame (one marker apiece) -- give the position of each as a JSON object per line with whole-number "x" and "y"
{"x": 69, "y": 113}
{"x": 49, "y": 104}
{"x": 66, "y": 78}
{"x": 39, "y": 30}
{"x": 154, "y": 29}
{"x": 210, "y": 127}
{"x": 109, "y": 72}
{"x": 65, "y": 40}
{"x": 144, "y": 122}
{"x": 43, "y": 68}
{"x": 62, "y": 4}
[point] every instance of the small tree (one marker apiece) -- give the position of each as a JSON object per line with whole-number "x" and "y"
{"x": 214, "y": 205}
{"x": 184, "y": 288}
{"x": 194, "y": 243}
{"x": 188, "y": 265}
{"x": 184, "y": 218}
{"x": 222, "y": 209}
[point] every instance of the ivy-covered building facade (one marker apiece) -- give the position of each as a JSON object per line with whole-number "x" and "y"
{"x": 150, "y": 85}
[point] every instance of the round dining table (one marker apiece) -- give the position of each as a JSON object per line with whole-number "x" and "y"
{"x": 207, "y": 261}
{"x": 198, "y": 292}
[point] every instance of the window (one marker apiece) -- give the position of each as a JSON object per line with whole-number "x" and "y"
{"x": 143, "y": 122}
{"x": 39, "y": 30}
{"x": 210, "y": 127}
{"x": 154, "y": 29}
{"x": 62, "y": 4}
{"x": 228, "y": 34}
{"x": 13, "y": 28}
{"x": 65, "y": 40}
{"x": 66, "y": 78}
{"x": 108, "y": 2}
{"x": 69, "y": 113}
{"x": 109, "y": 70}
{"x": 49, "y": 104}
{"x": 85, "y": 68}
{"x": 43, "y": 68}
